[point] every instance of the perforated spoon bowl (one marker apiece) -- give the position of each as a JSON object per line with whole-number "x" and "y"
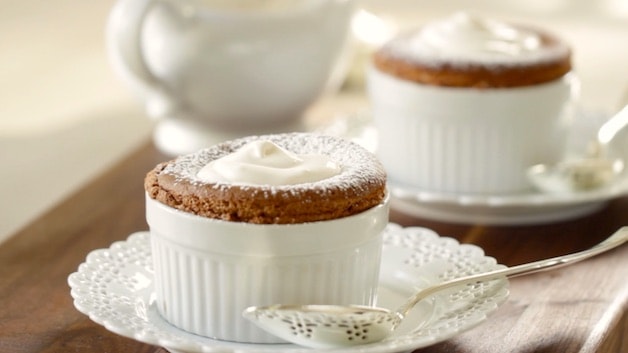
{"x": 329, "y": 326}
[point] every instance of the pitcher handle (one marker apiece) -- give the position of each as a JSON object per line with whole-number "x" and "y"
{"x": 123, "y": 37}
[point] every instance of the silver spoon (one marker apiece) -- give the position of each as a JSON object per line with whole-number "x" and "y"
{"x": 604, "y": 163}
{"x": 329, "y": 326}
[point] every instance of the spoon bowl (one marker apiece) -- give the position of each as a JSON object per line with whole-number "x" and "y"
{"x": 602, "y": 166}
{"x": 329, "y": 326}
{"x": 325, "y": 326}
{"x": 575, "y": 175}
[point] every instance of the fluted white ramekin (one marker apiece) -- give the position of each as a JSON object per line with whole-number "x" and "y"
{"x": 208, "y": 271}
{"x": 467, "y": 140}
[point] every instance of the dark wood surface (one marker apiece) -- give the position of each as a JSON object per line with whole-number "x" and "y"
{"x": 576, "y": 309}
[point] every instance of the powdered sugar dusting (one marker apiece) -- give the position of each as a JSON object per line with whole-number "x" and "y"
{"x": 359, "y": 166}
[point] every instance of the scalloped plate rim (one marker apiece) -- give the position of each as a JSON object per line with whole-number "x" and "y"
{"x": 193, "y": 343}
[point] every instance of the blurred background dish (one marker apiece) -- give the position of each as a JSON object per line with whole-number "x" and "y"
{"x": 209, "y": 71}
{"x": 457, "y": 103}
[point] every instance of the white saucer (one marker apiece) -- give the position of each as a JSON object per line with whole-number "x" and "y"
{"x": 533, "y": 207}
{"x": 114, "y": 287}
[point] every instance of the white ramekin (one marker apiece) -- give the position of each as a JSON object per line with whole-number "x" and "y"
{"x": 467, "y": 140}
{"x": 208, "y": 271}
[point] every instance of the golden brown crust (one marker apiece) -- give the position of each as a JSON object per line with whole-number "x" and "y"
{"x": 477, "y": 75}
{"x": 266, "y": 205}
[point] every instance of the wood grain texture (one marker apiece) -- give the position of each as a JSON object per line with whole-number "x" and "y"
{"x": 575, "y": 309}
{"x": 36, "y": 311}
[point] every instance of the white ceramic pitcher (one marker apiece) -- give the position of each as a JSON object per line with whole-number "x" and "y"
{"x": 216, "y": 69}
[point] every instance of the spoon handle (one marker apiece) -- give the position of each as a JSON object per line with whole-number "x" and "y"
{"x": 614, "y": 128}
{"x": 615, "y": 240}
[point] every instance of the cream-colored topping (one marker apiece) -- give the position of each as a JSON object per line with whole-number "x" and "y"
{"x": 263, "y": 162}
{"x": 465, "y": 37}
{"x": 251, "y": 5}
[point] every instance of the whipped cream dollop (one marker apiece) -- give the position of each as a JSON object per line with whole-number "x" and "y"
{"x": 470, "y": 38}
{"x": 464, "y": 33}
{"x": 263, "y": 162}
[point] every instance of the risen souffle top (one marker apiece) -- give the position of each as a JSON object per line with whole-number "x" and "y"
{"x": 465, "y": 50}
{"x": 272, "y": 179}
